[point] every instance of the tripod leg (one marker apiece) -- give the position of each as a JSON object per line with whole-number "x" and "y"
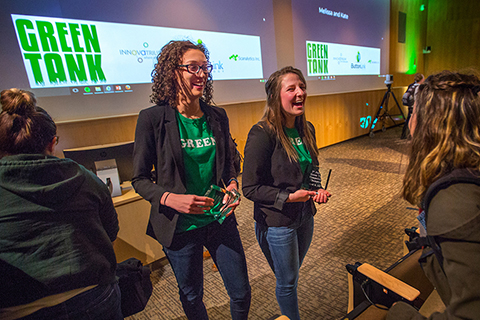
{"x": 401, "y": 111}
{"x": 375, "y": 119}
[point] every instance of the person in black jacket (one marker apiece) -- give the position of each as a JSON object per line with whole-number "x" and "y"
{"x": 408, "y": 100}
{"x": 443, "y": 178}
{"x": 57, "y": 224}
{"x": 187, "y": 142}
{"x": 279, "y": 150}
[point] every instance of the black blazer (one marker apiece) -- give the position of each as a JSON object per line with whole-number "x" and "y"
{"x": 157, "y": 144}
{"x": 269, "y": 177}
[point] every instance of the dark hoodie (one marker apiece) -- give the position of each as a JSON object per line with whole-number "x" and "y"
{"x": 57, "y": 222}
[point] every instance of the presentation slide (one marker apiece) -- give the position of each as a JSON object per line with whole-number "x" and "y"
{"x": 94, "y": 58}
{"x": 346, "y": 41}
{"x": 340, "y": 59}
{"x": 67, "y": 52}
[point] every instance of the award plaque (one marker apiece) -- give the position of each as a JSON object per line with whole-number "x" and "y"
{"x": 312, "y": 179}
{"x": 219, "y": 209}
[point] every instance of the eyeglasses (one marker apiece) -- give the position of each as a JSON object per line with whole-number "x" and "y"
{"x": 195, "y": 69}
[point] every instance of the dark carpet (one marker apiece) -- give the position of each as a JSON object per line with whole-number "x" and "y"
{"x": 363, "y": 221}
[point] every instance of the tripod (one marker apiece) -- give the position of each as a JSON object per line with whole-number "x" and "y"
{"x": 385, "y": 114}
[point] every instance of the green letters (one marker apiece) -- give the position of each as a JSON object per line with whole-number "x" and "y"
{"x": 28, "y": 42}
{"x": 75, "y": 33}
{"x": 76, "y": 69}
{"x": 62, "y": 33}
{"x": 47, "y": 39}
{"x": 37, "y": 73}
{"x": 55, "y": 50}
{"x": 91, "y": 39}
{"x": 95, "y": 68}
{"x": 55, "y": 69}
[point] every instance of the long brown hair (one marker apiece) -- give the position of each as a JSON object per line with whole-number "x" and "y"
{"x": 275, "y": 118}
{"x": 447, "y": 132}
{"x": 165, "y": 87}
{"x": 24, "y": 127}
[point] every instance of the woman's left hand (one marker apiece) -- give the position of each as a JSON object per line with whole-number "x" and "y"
{"x": 321, "y": 196}
{"x": 231, "y": 186}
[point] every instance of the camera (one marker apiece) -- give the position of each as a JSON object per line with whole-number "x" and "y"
{"x": 388, "y": 78}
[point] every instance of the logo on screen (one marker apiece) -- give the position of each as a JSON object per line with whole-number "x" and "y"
{"x": 51, "y": 60}
{"x": 234, "y": 57}
{"x": 358, "y": 56}
{"x": 217, "y": 66}
{"x": 317, "y": 58}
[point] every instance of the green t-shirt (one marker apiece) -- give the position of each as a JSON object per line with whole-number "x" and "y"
{"x": 304, "y": 157}
{"x": 198, "y": 149}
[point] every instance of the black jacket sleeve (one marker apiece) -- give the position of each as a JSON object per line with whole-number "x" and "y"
{"x": 144, "y": 158}
{"x": 257, "y": 182}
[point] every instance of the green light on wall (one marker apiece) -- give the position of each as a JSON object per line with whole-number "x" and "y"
{"x": 422, "y": 7}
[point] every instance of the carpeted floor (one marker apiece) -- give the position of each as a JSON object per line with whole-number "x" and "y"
{"x": 363, "y": 221}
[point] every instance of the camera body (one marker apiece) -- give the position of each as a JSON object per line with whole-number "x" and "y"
{"x": 388, "y": 78}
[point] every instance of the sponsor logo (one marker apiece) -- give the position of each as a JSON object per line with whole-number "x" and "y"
{"x": 140, "y": 54}
{"x": 217, "y": 67}
{"x": 236, "y": 57}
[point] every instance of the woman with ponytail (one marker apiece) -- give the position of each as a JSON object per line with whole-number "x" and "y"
{"x": 57, "y": 224}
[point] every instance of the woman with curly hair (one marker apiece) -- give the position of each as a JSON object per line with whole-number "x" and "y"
{"x": 443, "y": 179}
{"x": 186, "y": 141}
{"x": 279, "y": 150}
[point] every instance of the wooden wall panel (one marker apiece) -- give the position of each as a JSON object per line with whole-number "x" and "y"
{"x": 95, "y": 132}
{"x": 336, "y": 118}
{"x": 403, "y": 55}
{"x": 453, "y": 31}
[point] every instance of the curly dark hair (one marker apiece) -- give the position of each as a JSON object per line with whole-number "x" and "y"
{"x": 447, "y": 131}
{"x": 165, "y": 87}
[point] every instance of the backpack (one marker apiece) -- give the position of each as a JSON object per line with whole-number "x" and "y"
{"x": 456, "y": 176}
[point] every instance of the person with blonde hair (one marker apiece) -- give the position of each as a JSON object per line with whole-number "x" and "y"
{"x": 280, "y": 149}
{"x": 443, "y": 179}
{"x": 57, "y": 224}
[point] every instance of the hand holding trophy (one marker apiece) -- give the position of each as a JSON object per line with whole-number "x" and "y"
{"x": 222, "y": 199}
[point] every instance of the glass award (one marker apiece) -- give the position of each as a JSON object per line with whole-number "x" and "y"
{"x": 312, "y": 179}
{"x": 220, "y": 195}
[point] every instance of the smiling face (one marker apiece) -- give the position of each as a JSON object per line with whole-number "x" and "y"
{"x": 192, "y": 84}
{"x": 292, "y": 96}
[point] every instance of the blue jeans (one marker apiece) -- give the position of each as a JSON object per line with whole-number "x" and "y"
{"x": 99, "y": 303}
{"x": 186, "y": 258}
{"x": 285, "y": 248}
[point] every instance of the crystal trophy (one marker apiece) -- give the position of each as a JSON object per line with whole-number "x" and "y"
{"x": 220, "y": 195}
{"x": 312, "y": 179}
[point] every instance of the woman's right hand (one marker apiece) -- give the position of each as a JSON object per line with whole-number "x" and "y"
{"x": 188, "y": 203}
{"x": 300, "y": 195}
